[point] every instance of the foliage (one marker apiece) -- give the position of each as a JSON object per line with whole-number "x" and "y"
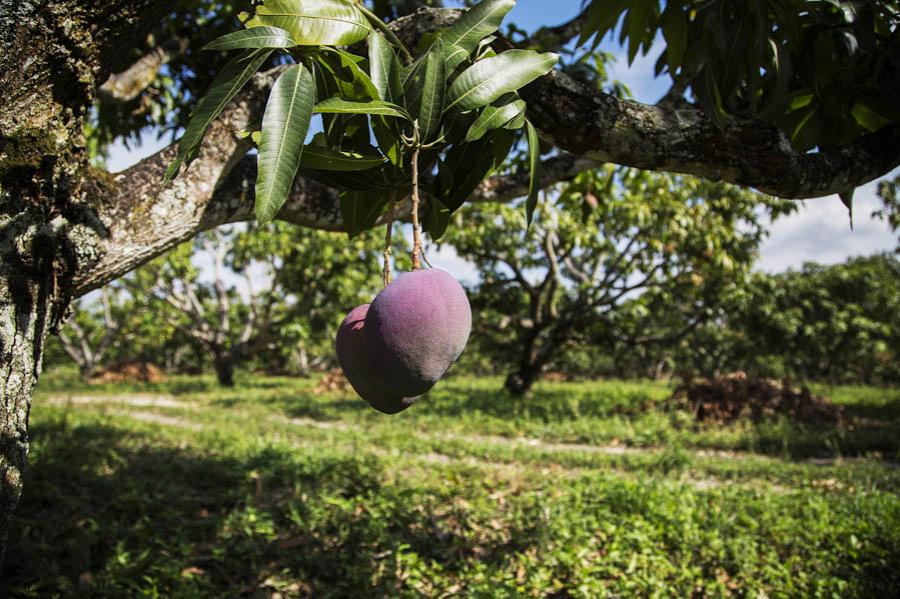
{"x": 824, "y": 71}
{"x": 834, "y": 323}
{"x": 427, "y": 103}
{"x": 238, "y": 492}
{"x": 611, "y": 235}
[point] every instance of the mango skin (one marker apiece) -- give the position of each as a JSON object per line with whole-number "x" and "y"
{"x": 416, "y": 328}
{"x": 355, "y": 361}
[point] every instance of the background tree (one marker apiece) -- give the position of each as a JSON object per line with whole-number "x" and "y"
{"x": 612, "y": 234}
{"x": 93, "y": 329}
{"x": 69, "y": 228}
{"x": 321, "y": 275}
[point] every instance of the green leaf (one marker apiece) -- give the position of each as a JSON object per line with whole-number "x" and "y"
{"x": 384, "y": 68}
{"x": 481, "y": 20}
{"x": 314, "y": 22}
{"x": 349, "y": 77}
{"x": 379, "y": 107}
{"x": 256, "y": 37}
{"x": 847, "y": 200}
{"x": 675, "y": 32}
{"x": 454, "y": 56}
{"x": 436, "y": 219}
{"x": 224, "y": 87}
{"x": 360, "y": 210}
{"x": 494, "y": 117}
{"x": 469, "y": 164}
{"x": 319, "y": 158}
{"x": 868, "y": 118}
{"x": 487, "y": 80}
{"x": 534, "y": 166}
{"x": 434, "y": 90}
{"x": 284, "y": 128}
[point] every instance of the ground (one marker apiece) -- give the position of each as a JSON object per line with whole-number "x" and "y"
{"x": 182, "y": 489}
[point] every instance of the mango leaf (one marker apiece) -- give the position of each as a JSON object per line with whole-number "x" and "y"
{"x": 384, "y": 68}
{"x": 469, "y": 164}
{"x": 350, "y": 80}
{"x": 481, "y": 20}
{"x": 436, "y": 219}
{"x": 378, "y": 107}
{"x": 319, "y": 158}
{"x": 454, "y": 56}
{"x": 847, "y": 200}
{"x": 434, "y": 91}
{"x": 534, "y": 167}
{"x": 487, "y": 80}
{"x": 413, "y": 77}
{"x": 284, "y": 128}
{"x": 388, "y": 140}
{"x": 224, "y": 87}
{"x": 675, "y": 32}
{"x": 360, "y": 209}
{"x": 314, "y": 22}
{"x": 257, "y": 37}
{"x": 368, "y": 180}
{"x": 495, "y": 116}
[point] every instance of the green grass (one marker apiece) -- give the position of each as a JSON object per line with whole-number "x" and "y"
{"x": 583, "y": 490}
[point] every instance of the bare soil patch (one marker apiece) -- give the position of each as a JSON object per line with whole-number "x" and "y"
{"x": 736, "y": 396}
{"x": 130, "y": 372}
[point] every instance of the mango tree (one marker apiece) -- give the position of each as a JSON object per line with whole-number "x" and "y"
{"x": 805, "y": 75}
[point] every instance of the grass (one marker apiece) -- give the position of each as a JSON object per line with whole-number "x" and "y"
{"x": 583, "y": 490}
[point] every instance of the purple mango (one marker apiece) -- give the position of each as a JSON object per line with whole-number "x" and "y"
{"x": 356, "y": 363}
{"x": 416, "y": 329}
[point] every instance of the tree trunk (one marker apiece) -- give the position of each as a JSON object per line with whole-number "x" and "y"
{"x": 519, "y": 383}
{"x": 24, "y": 310}
{"x": 224, "y": 370}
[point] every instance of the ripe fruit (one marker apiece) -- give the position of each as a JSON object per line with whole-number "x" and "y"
{"x": 355, "y": 361}
{"x": 415, "y": 329}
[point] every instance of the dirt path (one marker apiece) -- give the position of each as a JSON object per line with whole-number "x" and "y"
{"x": 167, "y": 401}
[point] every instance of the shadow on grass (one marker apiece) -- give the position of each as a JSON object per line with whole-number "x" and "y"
{"x": 111, "y": 513}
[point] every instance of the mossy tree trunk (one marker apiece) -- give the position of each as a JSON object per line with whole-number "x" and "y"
{"x": 52, "y": 53}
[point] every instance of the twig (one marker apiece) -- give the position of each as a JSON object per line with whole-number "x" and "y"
{"x": 388, "y": 250}
{"x": 417, "y": 237}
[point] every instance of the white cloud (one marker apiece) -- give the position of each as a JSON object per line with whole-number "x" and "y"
{"x": 820, "y": 232}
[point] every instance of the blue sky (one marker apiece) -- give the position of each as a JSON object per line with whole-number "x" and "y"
{"x": 818, "y": 232}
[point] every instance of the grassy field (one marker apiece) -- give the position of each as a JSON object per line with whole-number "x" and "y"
{"x": 583, "y": 490}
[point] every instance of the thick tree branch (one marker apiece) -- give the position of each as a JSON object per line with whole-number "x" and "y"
{"x": 128, "y": 85}
{"x": 141, "y": 218}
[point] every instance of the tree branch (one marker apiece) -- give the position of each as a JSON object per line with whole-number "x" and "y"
{"x": 134, "y": 218}
{"x": 128, "y": 85}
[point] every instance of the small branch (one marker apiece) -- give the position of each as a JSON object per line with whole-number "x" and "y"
{"x": 128, "y": 85}
{"x": 417, "y": 237}
{"x": 388, "y": 250}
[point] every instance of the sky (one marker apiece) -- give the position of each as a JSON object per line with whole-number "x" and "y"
{"x": 818, "y": 232}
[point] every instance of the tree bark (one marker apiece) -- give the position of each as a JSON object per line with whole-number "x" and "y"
{"x": 52, "y": 53}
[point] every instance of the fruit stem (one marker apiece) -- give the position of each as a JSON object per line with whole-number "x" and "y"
{"x": 381, "y": 25}
{"x": 417, "y": 237}
{"x": 386, "y": 276}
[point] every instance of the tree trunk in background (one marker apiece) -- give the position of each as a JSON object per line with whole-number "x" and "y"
{"x": 224, "y": 370}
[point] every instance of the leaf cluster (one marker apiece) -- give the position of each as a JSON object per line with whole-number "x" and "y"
{"x": 454, "y": 103}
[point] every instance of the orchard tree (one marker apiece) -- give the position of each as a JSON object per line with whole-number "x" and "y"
{"x": 320, "y": 273}
{"x": 611, "y": 234}
{"x": 794, "y": 98}
{"x": 229, "y": 321}
{"x": 93, "y": 329}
